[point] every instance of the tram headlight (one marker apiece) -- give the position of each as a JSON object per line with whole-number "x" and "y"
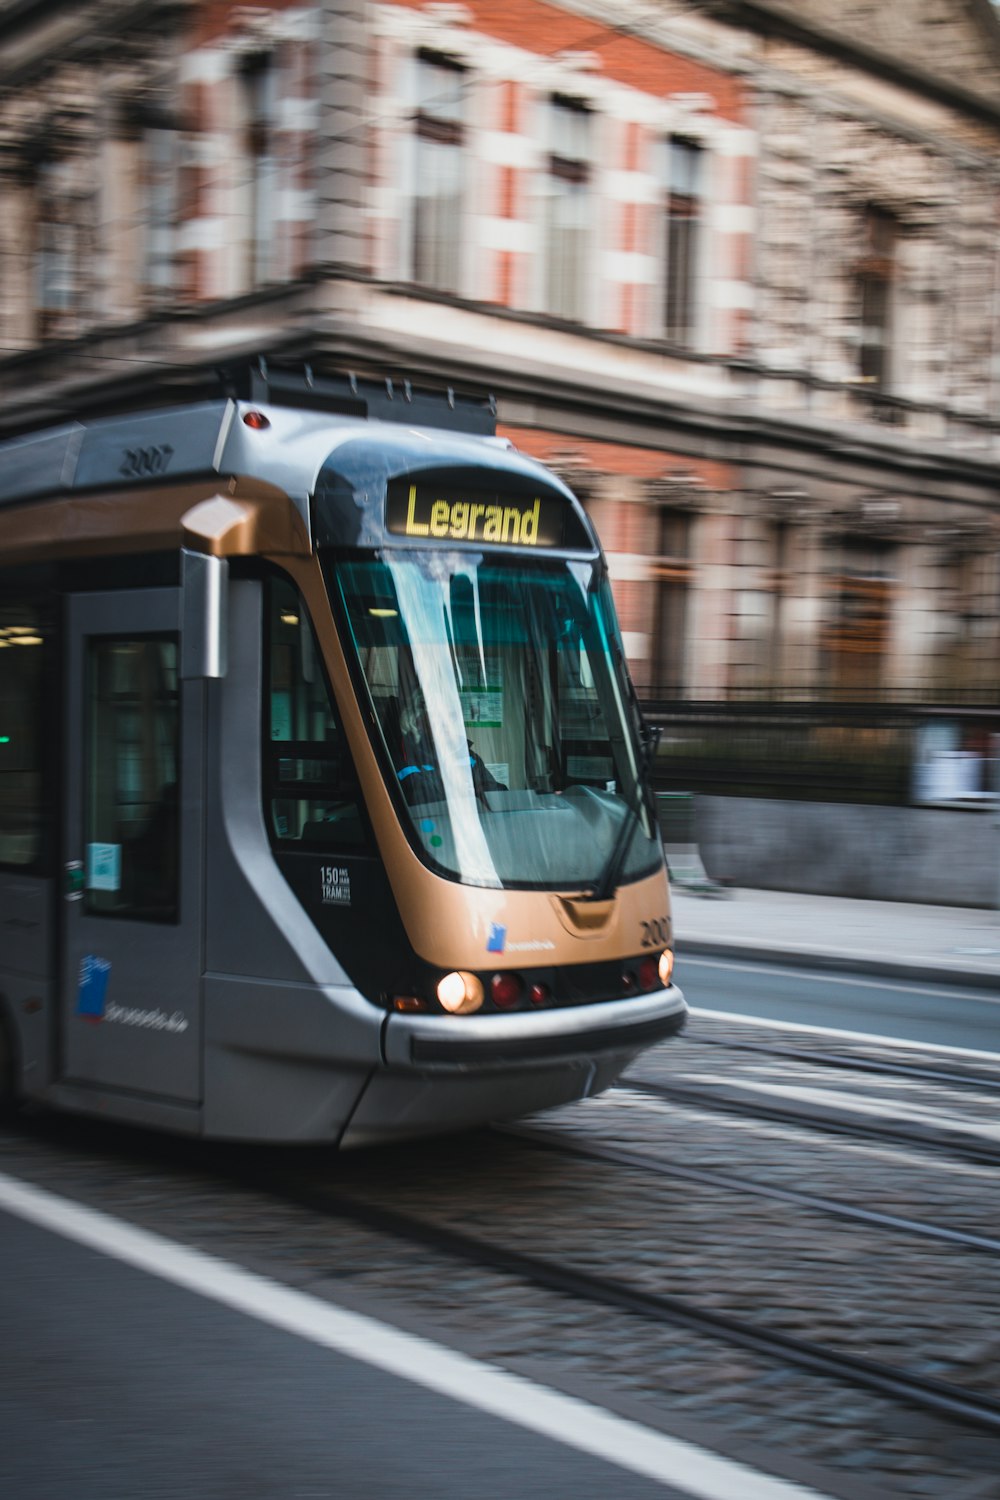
{"x": 460, "y": 992}
{"x": 665, "y": 966}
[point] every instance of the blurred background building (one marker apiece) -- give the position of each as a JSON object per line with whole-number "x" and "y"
{"x": 731, "y": 268}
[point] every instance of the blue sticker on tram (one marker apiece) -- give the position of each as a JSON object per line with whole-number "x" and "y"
{"x": 92, "y": 989}
{"x": 497, "y": 938}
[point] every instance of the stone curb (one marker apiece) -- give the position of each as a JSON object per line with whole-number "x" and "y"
{"x": 793, "y": 958}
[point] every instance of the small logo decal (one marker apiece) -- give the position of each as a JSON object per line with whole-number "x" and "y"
{"x": 497, "y": 939}
{"x": 91, "y": 992}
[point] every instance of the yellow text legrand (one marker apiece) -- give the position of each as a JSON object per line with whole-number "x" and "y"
{"x": 467, "y": 520}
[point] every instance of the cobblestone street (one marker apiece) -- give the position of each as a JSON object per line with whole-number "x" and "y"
{"x": 916, "y": 1303}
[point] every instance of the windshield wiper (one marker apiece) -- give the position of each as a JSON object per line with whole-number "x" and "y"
{"x": 608, "y": 878}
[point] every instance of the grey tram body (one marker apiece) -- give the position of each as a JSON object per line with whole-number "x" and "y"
{"x": 238, "y": 1021}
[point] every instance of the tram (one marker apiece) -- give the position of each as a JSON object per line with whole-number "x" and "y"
{"x": 324, "y": 805}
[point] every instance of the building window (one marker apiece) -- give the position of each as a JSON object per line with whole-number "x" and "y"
{"x": 567, "y": 210}
{"x": 684, "y": 219}
{"x": 57, "y": 249}
{"x": 858, "y": 637}
{"x": 437, "y": 193}
{"x": 672, "y": 570}
{"x": 875, "y": 275}
{"x": 259, "y": 84}
{"x": 159, "y": 194}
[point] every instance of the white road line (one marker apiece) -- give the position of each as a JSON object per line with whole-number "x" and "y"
{"x": 864, "y": 981}
{"x": 848, "y": 1036}
{"x": 577, "y": 1424}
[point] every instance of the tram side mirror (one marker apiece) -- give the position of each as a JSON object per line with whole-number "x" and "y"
{"x": 204, "y": 588}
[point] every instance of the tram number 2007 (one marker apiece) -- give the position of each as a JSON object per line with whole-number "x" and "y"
{"x": 655, "y": 933}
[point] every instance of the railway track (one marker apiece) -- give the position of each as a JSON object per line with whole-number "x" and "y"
{"x": 946, "y": 1400}
{"x": 555, "y": 1140}
{"x": 361, "y": 1200}
{"x": 961, "y": 1144}
{"x": 846, "y": 1061}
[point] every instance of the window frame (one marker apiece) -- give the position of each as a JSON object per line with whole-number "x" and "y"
{"x": 56, "y": 288}
{"x": 875, "y": 277}
{"x": 564, "y": 173}
{"x": 348, "y": 785}
{"x": 426, "y": 263}
{"x": 49, "y": 723}
{"x": 101, "y": 639}
{"x": 684, "y": 211}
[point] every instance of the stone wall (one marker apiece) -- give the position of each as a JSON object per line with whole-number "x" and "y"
{"x": 936, "y": 855}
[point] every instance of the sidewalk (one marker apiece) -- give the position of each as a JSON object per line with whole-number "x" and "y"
{"x": 941, "y": 944}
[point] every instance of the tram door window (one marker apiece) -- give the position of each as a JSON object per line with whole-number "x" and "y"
{"x": 131, "y": 805}
{"x": 22, "y": 799}
{"x": 311, "y": 791}
{"x": 132, "y": 916}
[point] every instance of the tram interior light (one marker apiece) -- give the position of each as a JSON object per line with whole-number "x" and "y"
{"x": 460, "y": 992}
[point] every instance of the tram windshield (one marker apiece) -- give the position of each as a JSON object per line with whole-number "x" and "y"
{"x": 499, "y": 689}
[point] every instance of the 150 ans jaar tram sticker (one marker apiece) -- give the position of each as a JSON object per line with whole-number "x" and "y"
{"x": 335, "y": 885}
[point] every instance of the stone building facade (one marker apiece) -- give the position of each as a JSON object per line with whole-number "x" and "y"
{"x": 732, "y": 268}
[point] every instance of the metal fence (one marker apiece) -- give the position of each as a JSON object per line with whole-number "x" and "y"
{"x": 869, "y": 752}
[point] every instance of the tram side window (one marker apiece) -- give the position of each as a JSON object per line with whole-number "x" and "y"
{"x": 311, "y": 790}
{"x": 131, "y": 809}
{"x": 22, "y": 801}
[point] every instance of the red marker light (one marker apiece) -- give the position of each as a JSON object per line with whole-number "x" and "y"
{"x": 505, "y": 990}
{"x": 256, "y": 420}
{"x": 649, "y": 976}
{"x": 538, "y": 994}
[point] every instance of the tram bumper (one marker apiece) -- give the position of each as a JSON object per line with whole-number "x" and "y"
{"x": 445, "y": 1072}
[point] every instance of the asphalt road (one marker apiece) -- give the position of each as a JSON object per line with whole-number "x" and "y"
{"x": 118, "y": 1384}
{"x": 933, "y": 1014}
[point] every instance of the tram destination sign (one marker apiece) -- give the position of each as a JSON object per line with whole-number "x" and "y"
{"x": 428, "y": 510}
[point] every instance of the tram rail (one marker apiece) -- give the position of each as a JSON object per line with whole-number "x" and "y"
{"x": 592, "y": 1150}
{"x": 953, "y": 1077}
{"x": 944, "y": 1399}
{"x": 382, "y": 1232}
{"x": 959, "y": 1143}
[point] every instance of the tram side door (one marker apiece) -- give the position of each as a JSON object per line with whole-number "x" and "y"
{"x": 132, "y": 841}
